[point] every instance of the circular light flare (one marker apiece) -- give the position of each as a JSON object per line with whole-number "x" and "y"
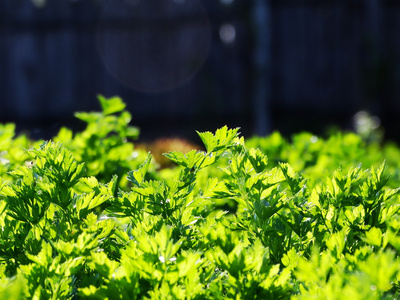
{"x": 153, "y": 46}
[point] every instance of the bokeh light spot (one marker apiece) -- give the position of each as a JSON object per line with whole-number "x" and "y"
{"x": 226, "y": 2}
{"x": 227, "y": 33}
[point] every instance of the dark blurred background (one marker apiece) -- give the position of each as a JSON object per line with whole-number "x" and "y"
{"x": 186, "y": 65}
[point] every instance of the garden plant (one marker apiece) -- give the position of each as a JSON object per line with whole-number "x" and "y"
{"x": 89, "y": 216}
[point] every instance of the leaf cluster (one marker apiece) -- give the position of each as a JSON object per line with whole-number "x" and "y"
{"x": 236, "y": 221}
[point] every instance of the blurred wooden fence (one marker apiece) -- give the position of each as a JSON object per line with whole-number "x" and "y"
{"x": 336, "y": 55}
{"x": 326, "y": 58}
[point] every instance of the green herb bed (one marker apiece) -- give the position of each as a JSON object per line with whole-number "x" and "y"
{"x": 89, "y": 216}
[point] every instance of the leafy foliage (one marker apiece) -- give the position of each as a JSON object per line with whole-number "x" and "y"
{"x": 83, "y": 217}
